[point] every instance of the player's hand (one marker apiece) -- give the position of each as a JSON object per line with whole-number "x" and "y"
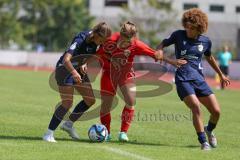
{"x": 83, "y": 68}
{"x": 76, "y": 76}
{"x": 224, "y": 80}
{"x": 179, "y": 62}
{"x": 159, "y": 55}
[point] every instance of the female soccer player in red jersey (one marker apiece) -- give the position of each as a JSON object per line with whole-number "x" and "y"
{"x": 117, "y": 56}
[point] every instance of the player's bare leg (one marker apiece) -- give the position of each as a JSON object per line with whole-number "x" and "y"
{"x": 210, "y": 102}
{"x": 84, "y": 89}
{"x": 66, "y": 94}
{"x": 193, "y": 103}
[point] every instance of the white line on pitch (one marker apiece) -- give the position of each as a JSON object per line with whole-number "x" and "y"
{"x": 125, "y": 153}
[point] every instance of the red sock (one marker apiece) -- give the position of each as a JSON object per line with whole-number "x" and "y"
{"x": 127, "y": 117}
{"x": 106, "y": 120}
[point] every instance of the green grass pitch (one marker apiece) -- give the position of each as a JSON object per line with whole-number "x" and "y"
{"x": 162, "y": 128}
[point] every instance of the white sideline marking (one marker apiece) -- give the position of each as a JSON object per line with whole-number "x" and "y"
{"x": 111, "y": 149}
{"x": 125, "y": 153}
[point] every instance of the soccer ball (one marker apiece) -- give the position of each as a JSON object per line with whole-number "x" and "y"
{"x": 97, "y": 133}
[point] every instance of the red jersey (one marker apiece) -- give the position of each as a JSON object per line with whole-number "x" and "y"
{"x": 124, "y": 56}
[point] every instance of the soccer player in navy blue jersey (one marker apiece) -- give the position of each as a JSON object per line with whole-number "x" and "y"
{"x": 69, "y": 77}
{"x": 191, "y": 86}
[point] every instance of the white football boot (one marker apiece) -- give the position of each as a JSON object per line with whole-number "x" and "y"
{"x": 48, "y": 136}
{"x": 205, "y": 146}
{"x": 211, "y": 138}
{"x": 68, "y": 127}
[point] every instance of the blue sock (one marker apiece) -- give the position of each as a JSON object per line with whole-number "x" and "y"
{"x": 211, "y": 126}
{"x": 57, "y": 117}
{"x": 201, "y": 137}
{"x": 80, "y": 108}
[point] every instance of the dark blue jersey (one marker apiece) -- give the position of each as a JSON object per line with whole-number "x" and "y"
{"x": 79, "y": 46}
{"x": 192, "y": 51}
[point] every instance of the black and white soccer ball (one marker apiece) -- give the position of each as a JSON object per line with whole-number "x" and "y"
{"x": 97, "y": 133}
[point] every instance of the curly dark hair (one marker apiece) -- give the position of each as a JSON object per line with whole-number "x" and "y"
{"x": 197, "y": 18}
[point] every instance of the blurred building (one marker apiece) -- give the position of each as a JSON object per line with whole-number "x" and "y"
{"x": 224, "y": 16}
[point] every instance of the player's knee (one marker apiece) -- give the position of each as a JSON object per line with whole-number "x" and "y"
{"x": 196, "y": 110}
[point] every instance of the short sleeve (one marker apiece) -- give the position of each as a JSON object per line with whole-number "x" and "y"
{"x": 170, "y": 39}
{"x": 73, "y": 48}
{"x": 208, "y": 51}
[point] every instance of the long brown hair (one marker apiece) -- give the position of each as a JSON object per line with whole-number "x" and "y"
{"x": 102, "y": 29}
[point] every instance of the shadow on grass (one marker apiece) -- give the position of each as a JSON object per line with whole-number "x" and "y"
{"x": 191, "y": 146}
{"x": 134, "y": 142}
{"x": 2, "y": 137}
{"x": 29, "y": 138}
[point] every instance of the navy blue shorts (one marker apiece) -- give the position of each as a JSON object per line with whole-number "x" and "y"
{"x": 64, "y": 77}
{"x": 199, "y": 88}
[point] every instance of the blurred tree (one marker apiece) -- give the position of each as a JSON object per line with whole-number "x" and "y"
{"x": 10, "y": 30}
{"x": 152, "y": 17}
{"x": 49, "y": 23}
{"x": 54, "y": 23}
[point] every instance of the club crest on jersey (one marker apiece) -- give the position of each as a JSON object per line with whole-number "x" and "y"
{"x": 200, "y": 47}
{"x": 183, "y": 52}
{"x": 127, "y": 52}
{"x": 184, "y": 42}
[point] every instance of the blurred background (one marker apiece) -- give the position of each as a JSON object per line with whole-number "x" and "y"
{"x": 36, "y": 32}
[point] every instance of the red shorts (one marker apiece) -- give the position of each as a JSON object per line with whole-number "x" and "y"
{"x": 110, "y": 81}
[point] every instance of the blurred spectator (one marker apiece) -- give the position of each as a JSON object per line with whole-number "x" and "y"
{"x": 40, "y": 48}
{"x": 224, "y": 59}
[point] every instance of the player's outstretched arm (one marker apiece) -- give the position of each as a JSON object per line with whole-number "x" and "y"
{"x": 211, "y": 60}
{"x": 175, "y": 62}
